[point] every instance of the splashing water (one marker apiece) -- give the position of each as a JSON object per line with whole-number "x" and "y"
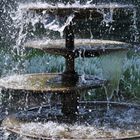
{"x": 57, "y": 131}
{"x": 97, "y": 123}
{"x": 50, "y": 23}
{"x": 112, "y": 66}
{"x": 22, "y": 19}
{"x": 107, "y": 16}
{"x": 55, "y": 27}
{"x": 112, "y": 71}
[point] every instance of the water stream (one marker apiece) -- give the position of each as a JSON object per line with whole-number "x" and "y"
{"x": 112, "y": 71}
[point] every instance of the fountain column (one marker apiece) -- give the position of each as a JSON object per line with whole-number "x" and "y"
{"x": 69, "y": 104}
{"x": 70, "y": 77}
{"x": 69, "y": 59}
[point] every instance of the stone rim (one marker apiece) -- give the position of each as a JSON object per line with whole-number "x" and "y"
{"x": 35, "y": 84}
{"x": 102, "y": 103}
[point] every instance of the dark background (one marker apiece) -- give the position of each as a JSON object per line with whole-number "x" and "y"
{"x": 121, "y": 32}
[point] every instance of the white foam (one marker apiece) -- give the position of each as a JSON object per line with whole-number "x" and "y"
{"x": 55, "y": 130}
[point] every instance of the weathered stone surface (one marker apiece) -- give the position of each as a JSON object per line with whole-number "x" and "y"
{"x": 47, "y": 83}
{"x": 96, "y": 110}
{"x": 83, "y": 47}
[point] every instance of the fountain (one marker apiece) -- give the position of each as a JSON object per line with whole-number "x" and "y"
{"x": 65, "y": 116}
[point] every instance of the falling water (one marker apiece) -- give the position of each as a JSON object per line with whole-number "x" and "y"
{"x": 134, "y": 29}
{"x": 112, "y": 71}
{"x": 111, "y": 65}
{"x": 22, "y": 19}
{"x": 107, "y": 16}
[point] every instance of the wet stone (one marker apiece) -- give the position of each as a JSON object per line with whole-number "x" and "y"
{"x": 119, "y": 121}
{"x": 46, "y": 83}
{"x": 83, "y": 47}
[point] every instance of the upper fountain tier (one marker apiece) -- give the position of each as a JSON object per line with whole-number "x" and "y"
{"x": 80, "y": 11}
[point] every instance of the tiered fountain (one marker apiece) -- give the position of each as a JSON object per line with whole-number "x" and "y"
{"x": 68, "y": 84}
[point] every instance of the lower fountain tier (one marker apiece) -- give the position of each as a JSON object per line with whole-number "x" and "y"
{"x": 83, "y": 47}
{"x": 46, "y": 83}
{"x": 95, "y": 120}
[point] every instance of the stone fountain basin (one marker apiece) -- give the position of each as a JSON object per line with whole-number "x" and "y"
{"x": 83, "y": 47}
{"x": 97, "y": 120}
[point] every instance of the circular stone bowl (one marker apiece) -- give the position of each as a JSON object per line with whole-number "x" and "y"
{"x": 98, "y": 120}
{"x": 49, "y": 83}
{"x": 83, "y": 47}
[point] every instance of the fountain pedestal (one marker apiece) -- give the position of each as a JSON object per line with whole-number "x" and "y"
{"x": 70, "y": 104}
{"x": 70, "y": 60}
